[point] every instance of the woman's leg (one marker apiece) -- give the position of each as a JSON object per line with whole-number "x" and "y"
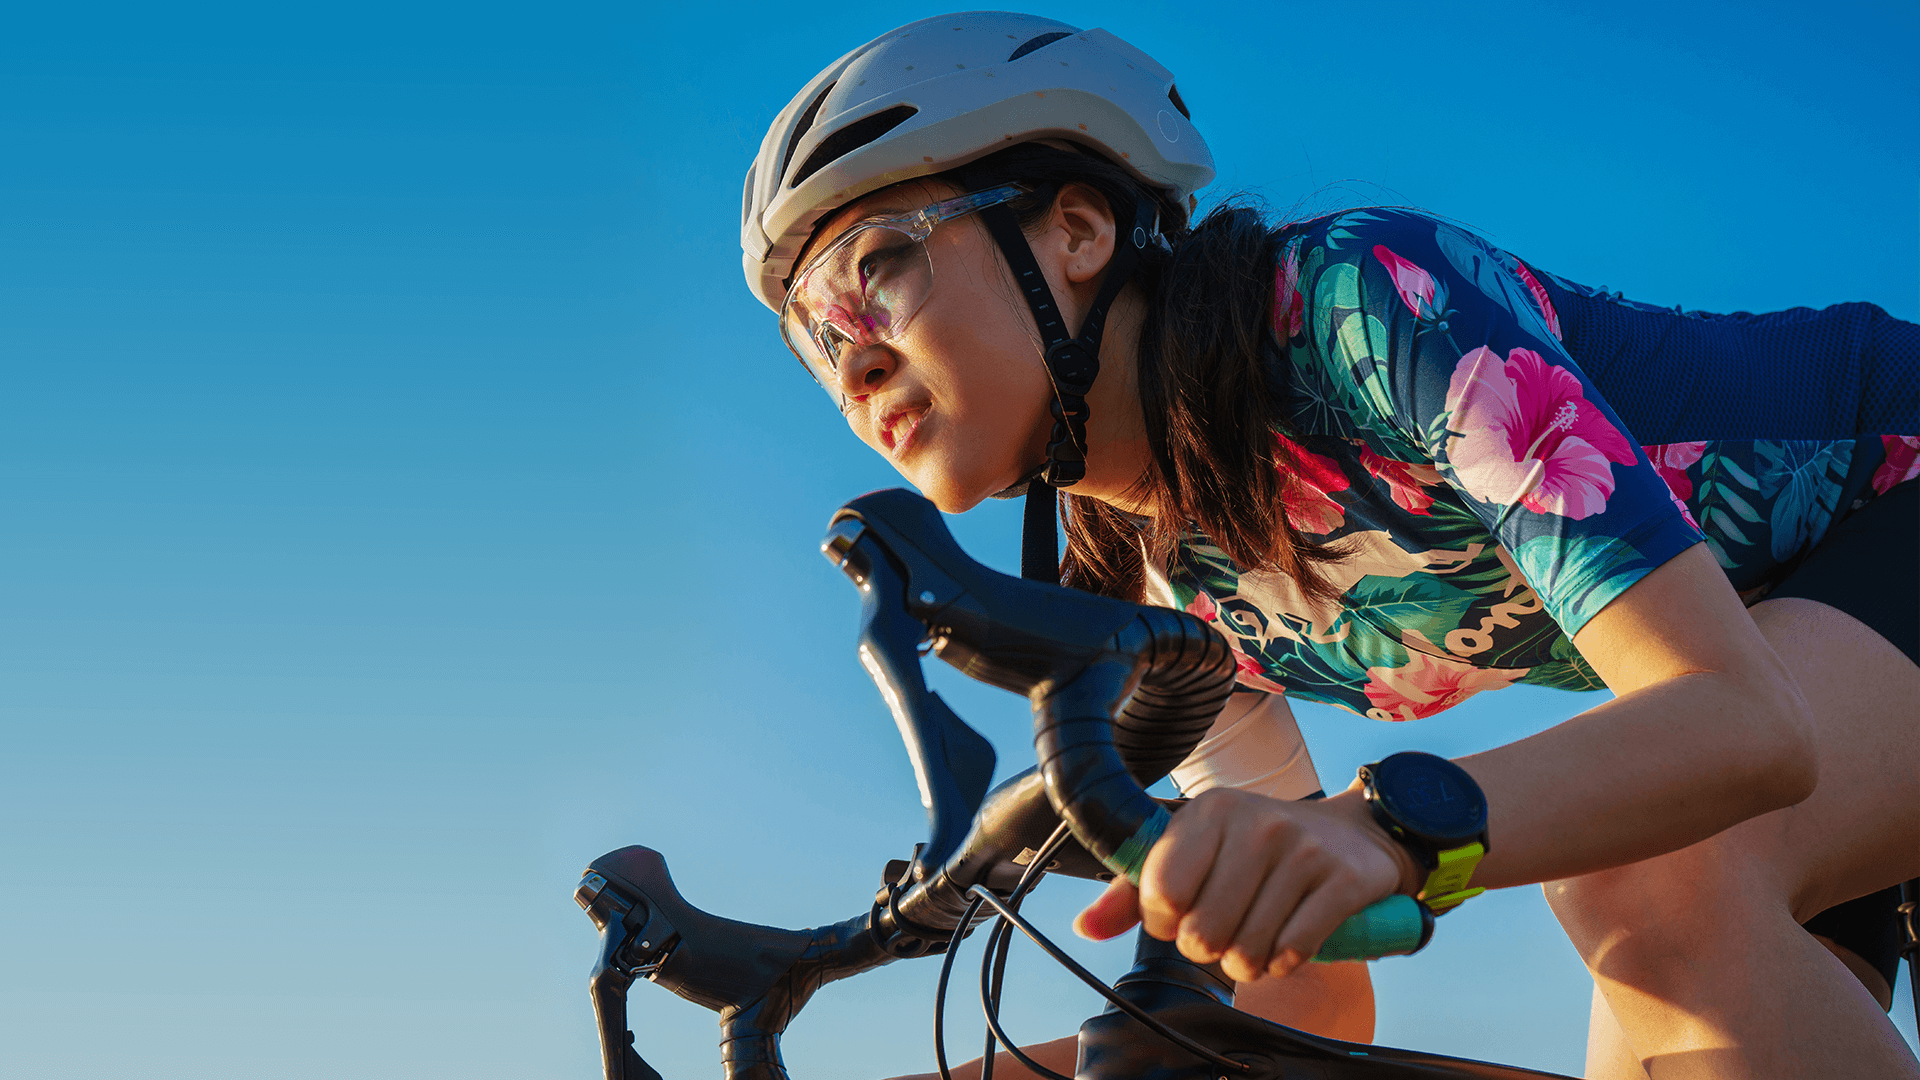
{"x": 1611, "y": 1057}
{"x": 1331, "y": 1000}
{"x": 1700, "y": 955}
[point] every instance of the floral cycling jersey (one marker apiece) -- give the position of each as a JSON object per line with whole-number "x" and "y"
{"x": 1454, "y": 425}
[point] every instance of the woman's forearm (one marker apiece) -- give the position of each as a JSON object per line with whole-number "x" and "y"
{"x": 1653, "y": 771}
{"x": 1709, "y": 729}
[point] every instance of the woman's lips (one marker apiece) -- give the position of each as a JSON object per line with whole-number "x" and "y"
{"x": 898, "y": 430}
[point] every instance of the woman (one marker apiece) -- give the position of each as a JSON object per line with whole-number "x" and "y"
{"x": 1396, "y": 467}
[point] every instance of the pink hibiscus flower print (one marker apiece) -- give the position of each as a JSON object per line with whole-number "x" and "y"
{"x": 1305, "y": 489}
{"x": 1203, "y": 606}
{"x": 1670, "y": 460}
{"x": 1428, "y": 685}
{"x": 1903, "y": 462}
{"x": 1250, "y": 674}
{"x": 1415, "y": 285}
{"x": 1406, "y": 482}
{"x": 1528, "y": 435}
{"x": 1540, "y": 297}
{"x": 1289, "y": 307}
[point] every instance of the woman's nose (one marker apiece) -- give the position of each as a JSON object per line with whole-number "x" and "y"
{"x": 863, "y": 370}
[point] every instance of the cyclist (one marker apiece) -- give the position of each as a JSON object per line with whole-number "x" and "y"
{"x": 1396, "y": 466}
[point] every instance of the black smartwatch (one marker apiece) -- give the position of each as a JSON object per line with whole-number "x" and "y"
{"x": 1436, "y": 811}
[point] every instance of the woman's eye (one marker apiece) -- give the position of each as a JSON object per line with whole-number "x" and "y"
{"x": 878, "y": 264}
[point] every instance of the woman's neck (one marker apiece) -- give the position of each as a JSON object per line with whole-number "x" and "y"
{"x": 1118, "y": 452}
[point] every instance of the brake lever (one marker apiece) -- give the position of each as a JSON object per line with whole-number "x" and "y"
{"x": 623, "y": 922}
{"x": 756, "y": 977}
{"x": 952, "y": 763}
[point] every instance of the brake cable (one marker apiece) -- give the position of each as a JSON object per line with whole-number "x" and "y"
{"x": 1009, "y": 914}
{"x": 1088, "y": 977}
{"x": 999, "y": 940}
{"x": 1025, "y": 885}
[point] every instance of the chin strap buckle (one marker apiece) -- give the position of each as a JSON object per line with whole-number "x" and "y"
{"x": 1910, "y": 922}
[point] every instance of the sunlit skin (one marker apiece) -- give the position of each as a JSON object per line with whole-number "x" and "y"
{"x": 1693, "y": 793}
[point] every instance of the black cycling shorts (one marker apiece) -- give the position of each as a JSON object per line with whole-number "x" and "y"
{"x": 1869, "y": 567}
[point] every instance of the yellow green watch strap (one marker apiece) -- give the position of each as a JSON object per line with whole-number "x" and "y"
{"x": 1446, "y": 887}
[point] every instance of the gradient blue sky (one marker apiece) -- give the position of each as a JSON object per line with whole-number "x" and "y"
{"x": 406, "y": 502}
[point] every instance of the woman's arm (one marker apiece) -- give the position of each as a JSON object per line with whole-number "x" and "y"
{"x": 1706, "y": 731}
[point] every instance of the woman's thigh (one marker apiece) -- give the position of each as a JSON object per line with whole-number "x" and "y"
{"x": 1860, "y": 830}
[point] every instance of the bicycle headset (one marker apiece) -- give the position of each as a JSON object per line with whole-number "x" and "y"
{"x": 936, "y": 94}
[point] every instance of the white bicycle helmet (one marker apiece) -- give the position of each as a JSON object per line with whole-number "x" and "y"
{"x": 941, "y": 92}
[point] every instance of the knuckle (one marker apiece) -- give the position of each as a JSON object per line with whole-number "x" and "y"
{"x": 1209, "y": 939}
{"x": 1276, "y": 828}
{"x": 1155, "y": 904}
{"x": 1161, "y": 895}
{"x": 1309, "y": 857}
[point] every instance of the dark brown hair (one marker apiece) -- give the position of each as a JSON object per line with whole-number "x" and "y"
{"x": 1208, "y": 363}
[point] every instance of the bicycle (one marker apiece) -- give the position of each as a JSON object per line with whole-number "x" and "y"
{"x": 1083, "y": 812}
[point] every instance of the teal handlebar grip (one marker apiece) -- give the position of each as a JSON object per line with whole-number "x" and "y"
{"x": 1395, "y": 926}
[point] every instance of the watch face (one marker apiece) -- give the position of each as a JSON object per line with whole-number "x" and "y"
{"x": 1431, "y": 796}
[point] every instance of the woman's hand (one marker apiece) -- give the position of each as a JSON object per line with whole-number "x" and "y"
{"x": 1256, "y": 883}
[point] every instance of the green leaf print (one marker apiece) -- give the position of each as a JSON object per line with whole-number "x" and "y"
{"x": 1484, "y": 266}
{"x": 1805, "y": 477}
{"x": 1318, "y": 404}
{"x": 1739, "y": 474}
{"x": 1725, "y": 525}
{"x": 1738, "y": 505}
{"x": 1335, "y": 290}
{"x": 1330, "y": 669}
{"x": 1418, "y": 602}
{"x": 1573, "y": 675}
{"x": 1451, "y": 526}
{"x": 1720, "y": 554}
{"x": 1366, "y": 391}
{"x": 1437, "y": 435}
{"x": 1340, "y": 232}
{"x": 1545, "y": 560}
{"x": 1359, "y": 332}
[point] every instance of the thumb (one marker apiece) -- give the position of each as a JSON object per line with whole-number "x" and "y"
{"x": 1115, "y": 912}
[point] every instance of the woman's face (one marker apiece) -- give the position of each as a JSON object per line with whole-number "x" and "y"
{"x": 958, "y": 398}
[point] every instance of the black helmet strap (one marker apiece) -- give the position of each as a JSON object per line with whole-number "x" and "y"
{"x": 1072, "y": 364}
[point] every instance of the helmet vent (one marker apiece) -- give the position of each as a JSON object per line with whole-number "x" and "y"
{"x": 851, "y": 138}
{"x": 1036, "y": 43}
{"x": 805, "y": 125}
{"x": 1173, "y": 95}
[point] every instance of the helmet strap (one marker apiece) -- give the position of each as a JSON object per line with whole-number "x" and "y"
{"x": 1072, "y": 365}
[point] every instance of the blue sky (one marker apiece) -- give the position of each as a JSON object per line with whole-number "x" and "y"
{"x": 406, "y": 501}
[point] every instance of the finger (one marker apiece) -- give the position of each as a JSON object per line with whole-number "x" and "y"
{"x": 1177, "y": 866}
{"x": 1113, "y": 913}
{"x": 1249, "y": 853}
{"x": 1255, "y": 943}
{"x": 1319, "y": 913}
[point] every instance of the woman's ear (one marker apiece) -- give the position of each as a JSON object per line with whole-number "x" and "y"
{"x": 1086, "y": 232}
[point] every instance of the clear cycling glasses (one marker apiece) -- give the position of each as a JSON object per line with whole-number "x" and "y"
{"x": 864, "y": 287}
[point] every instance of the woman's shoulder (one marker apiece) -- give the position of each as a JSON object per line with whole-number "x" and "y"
{"x": 1398, "y": 243}
{"x": 1352, "y": 234}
